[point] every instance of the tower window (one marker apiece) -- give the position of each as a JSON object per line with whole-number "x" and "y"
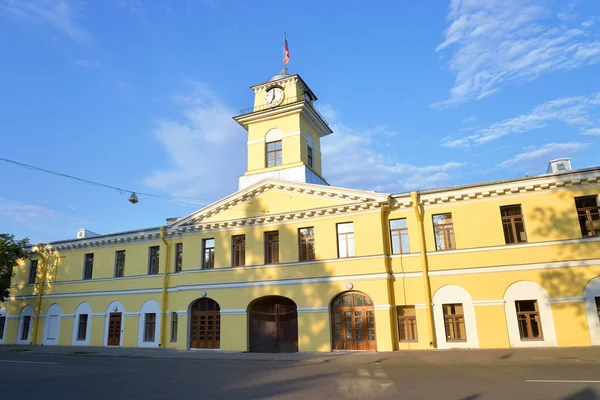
{"x": 273, "y": 150}
{"x": 310, "y": 157}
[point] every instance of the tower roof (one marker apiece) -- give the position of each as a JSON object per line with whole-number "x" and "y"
{"x": 283, "y": 73}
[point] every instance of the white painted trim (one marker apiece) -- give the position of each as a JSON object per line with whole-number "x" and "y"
{"x": 82, "y": 308}
{"x": 273, "y": 135}
{"x": 26, "y": 311}
{"x": 480, "y": 303}
{"x": 52, "y": 320}
{"x": 450, "y": 294}
{"x": 590, "y": 292}
{"x": 405, "y": 255}
{"x": 384, "y": 307}
{"x": 566, "y": 299}
{"x": 420, "y": 305}
{"x": 516, "y": 246}
{"x": 237, "y": 311}
{"x": 527, "y": 290}
{"x": 115, "y": 306}
{"x": 149, "y": 307}
{"x": 313, "y": 309}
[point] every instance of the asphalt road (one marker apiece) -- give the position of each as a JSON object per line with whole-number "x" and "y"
{"x": 31, "y": 376}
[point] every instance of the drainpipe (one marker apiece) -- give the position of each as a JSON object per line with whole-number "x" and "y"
{"x": 41, "y": 285}
{"x": 424, "y": 269}
{"x": 385, "y": 211}
{"x": 163, "y": 320}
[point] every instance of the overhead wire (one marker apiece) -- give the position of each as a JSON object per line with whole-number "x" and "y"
{"x": 89, "y": 182}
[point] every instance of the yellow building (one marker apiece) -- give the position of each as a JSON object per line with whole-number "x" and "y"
{"x": 289, "y": 263}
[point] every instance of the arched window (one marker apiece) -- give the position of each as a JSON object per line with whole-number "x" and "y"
{"x": 149, "y": 324}
{"x": 52, "y": 325}
{"x": 3, "y": 321}
{"x": 25, "y": 325}
{"x": 82, "y": 324}
{"x": 454, "y": 317}
{"x": 273, "y": 148}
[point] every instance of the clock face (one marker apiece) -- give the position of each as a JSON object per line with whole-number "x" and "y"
{"x": 274, "y": 96}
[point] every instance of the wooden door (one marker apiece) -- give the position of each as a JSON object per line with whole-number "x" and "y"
{"x": 353, "y": 322}
{"x": 205, "y": 325}
{"x": 273, "y": 325}
{"x": 114, "y": 329}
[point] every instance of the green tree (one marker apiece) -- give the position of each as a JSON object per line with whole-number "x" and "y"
{"x": 11, "y": 251}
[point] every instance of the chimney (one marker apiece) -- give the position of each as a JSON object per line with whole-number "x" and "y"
{"x": 559, "y": 165}
{"x": 84, "y": 234}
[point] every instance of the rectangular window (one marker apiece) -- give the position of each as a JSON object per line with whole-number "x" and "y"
{"x": 310, "y": 157}
{"x": 345, "y": 234}
{"x": 82, "y": 327}
{"x": 88, "y": 266}
{"x": 178, "y": 257}
{"x": 32, "y": 271}
{"x": 119, "y": 263}
{"x": 174, "y": 326}
{"x": 444, "y": 232}
{"x": 273, "y": 153}
{"x": 588, "y": 212}
{"x": 153, "y": 259}
{"x": 454, "y": 322}
{"x": 149, "y": 327}
{"x": 528, "y": 316}
{"x": 208, "y": 250}
{"x": 272, "y": 247}
{"x": 25, "y": 327}
{"x": 407, "y": 323}
{"x": 2, "y": 326}
{"x": 238, "y": 244}
{"x": 306, "y": 239}
{"x": 513, "y": 224}
{"x": 399, "y": 236}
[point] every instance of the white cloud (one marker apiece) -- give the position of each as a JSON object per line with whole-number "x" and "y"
{"x": 27, "y": 213}
{"x": 85, "y": 63}
{"x": 544, "y": 153}
{"x": 62, "y": 15}
{"x": 501, "y": 42}
{"x": 593, "y": 131}
{"x": 206, "y": 147}
{"x": 576, "y": 111}
{"x": 350, "y": 159}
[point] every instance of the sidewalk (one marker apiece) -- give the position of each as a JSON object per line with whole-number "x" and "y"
{"x": 474, "y": 356}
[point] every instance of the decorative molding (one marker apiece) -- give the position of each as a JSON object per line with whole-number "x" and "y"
{"x": 239, "y": 311}
{"x": 313, "y": 309}
{"x": 499, "y": 302}
{"x": 566, "y": 299}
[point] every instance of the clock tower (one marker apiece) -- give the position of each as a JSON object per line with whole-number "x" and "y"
{"x": 284, "y": 132}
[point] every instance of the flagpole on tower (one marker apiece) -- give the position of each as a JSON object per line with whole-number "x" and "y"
{"x": 284, "y": 42}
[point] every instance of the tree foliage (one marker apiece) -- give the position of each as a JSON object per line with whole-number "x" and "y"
{"x": 11, "y": 251}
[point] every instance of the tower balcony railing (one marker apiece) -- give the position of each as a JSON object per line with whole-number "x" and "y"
{"x": 286, "y": 101}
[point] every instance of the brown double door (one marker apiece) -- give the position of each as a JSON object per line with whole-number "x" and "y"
{"x": 273, "y": 322}
{"x": 114, "y": 329}
{"x": 205, "y": 325}
{"x": 353, "y": 322}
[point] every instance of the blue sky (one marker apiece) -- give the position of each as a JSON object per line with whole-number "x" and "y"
{"x": 140, "y": 95}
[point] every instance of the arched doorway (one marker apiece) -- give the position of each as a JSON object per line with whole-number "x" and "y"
{"x": 353, "y": 322}
{"x": 273, "y": 322}
{"x": 205, "y": 324}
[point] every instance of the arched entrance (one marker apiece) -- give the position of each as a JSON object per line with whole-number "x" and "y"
{"x": 205, "y": 324}
{"x": 273, "y": 322}
{"x": 353, "y": 322}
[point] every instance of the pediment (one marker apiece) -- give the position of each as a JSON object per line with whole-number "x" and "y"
{"x": 273, "y": 197}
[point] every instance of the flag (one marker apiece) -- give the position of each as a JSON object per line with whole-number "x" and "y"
{"x": 286, "y": 52}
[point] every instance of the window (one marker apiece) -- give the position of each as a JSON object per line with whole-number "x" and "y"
{"x": 174, "y": 326}
{"x": 82, "y": 327}
{"x": 588, "y": 212}
{"x": 238, "y": 244}
{"x": 88, "y": 265}
{"x": 528, "y": 317}
{"x": 208, "y": 249}
{"x": 119, "y": 263}
{"x": 399, "y": 233}
{"x": 598, "y": 306}
{"x": 310, "y": 156}
{"x": 149, "y": 327}
{"x": 178, "y": 257}
{"x": 32, "y": 271}
{"x": 25, "y": 327}
{"x": 345, "y": 234}
{"x": 407, "y": 323}
{"x": 306, "y": 239}
{"x": 272, "y": 247}
{"x": 444, "y": 232}
{"x": 273, "y": 153}
{"x": 454, "y": 323}
{"x": 153, "y": 258}
{"x": 2, "y": 325}
{"x": 513, "y": 225}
